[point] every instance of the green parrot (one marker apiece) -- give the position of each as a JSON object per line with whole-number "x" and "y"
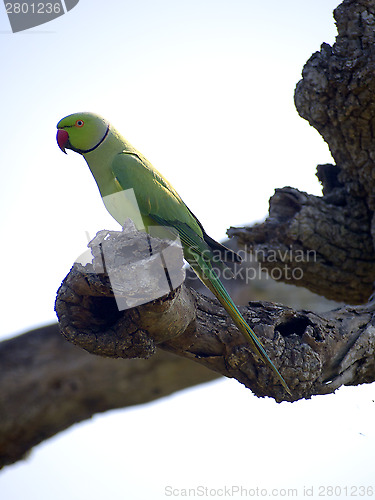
{"x": 117, "y": 166}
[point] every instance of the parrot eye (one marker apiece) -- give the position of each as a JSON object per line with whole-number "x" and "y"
{"x": 80, "y": 123}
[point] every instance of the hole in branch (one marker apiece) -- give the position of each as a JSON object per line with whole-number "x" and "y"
{"x": 294, "y": 325}
{"x": 104, "y": 310}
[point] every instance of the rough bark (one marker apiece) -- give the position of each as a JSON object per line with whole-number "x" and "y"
{"x": 328, "y": 242}
{"x": 337, "y": 96}
{"x": 308, "y": 241}
{"x": 335, "y": 232}
{"x": 315, "y": 353}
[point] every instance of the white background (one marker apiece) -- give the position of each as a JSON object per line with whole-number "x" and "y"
{"x": 204, "y": 89}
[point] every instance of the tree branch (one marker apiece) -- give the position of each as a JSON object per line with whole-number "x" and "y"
{"x": 309, "y": 242}
{"x": 47, "y": 385}
{"x": 337, "y": 96}
{"x": 314, "y": 353}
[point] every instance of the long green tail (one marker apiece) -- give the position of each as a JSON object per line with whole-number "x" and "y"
{"x": 210, "y": 279}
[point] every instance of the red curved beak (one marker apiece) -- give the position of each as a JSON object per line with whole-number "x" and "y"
{"x": 62, "y": 138}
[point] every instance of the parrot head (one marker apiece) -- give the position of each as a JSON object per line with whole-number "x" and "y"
{"x": 81, "y": 132}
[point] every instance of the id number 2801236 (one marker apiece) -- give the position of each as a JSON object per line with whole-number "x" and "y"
{"x": 345, "y": 491}
{"x": 33, "y": 8}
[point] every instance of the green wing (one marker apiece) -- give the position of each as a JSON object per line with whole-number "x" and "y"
{"x": 159, "y": 203}
{"x": 156, "y": 198}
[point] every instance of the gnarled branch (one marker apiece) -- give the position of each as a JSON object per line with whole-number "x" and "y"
{"x": 337, "y": 96}
{"x": 314, "y": 353}
{"x": 309, "y": 242}
{"x": 48, "y": 384}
